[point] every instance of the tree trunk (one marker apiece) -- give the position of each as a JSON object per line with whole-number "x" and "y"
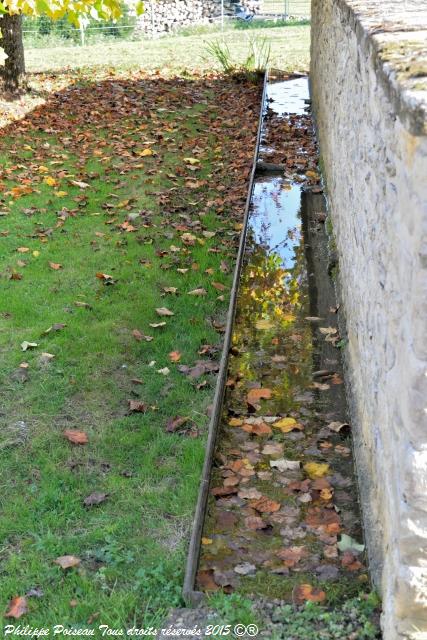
{"x": 13, "y": 71}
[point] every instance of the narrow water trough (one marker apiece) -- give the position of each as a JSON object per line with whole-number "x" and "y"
{"x": 278, "y": 512}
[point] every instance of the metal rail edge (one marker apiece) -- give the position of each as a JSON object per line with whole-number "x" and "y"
{"x": 192, "y": 597}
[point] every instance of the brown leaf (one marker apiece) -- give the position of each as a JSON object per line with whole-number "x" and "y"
{"x": 163, "y": 311}
{"x": 254, "y": 395}
{"x": 292, "y": 555}
{"x": 76, "y": 437}
{"x": 17, "y": 607}
{"x": 198, "y": 292}
{"x": 139, "y": 336}
{"x": 218, "y": 286}
{"x": 137, "y": 406}
{"x": 206, "y": 580}
{"x": 175, "y": 356}
{"x": 259, "y": 428}
{"x": 66, "y": 562}
{"x": 306, "y": 592}
{"x": 106, "y": 279}
{"x": 265, "y": 505}
{"x": 174, "y": 423}
{"x": 255, "y": 523}
{"x": 95, "y": 498}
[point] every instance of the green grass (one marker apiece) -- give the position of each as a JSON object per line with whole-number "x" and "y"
{"x": 132, "y": 546}
{"x": 289, "y": 51}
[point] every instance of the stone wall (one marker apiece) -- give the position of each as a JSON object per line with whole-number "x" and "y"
{"x": 369, "y": 91}
{"x": 163, "y": 16}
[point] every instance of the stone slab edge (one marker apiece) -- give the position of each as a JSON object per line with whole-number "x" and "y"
{"x": 373, "y": 33}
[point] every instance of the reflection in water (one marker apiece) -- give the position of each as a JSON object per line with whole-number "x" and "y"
{"x": 275, "y": 216}
{"x": 289, "y": 96}
{"x": 267, "y": 516}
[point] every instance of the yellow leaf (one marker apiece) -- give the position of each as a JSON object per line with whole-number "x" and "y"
{"x": 61, "y": 194}
{"x": 235, "y": 422}
{"x": 316, "y": 469}
{"x": 146, "y": 152}
{"x": 43, "y": 169}
{"x": 36, "y": 254}
{"x": 206, "y": 541}
{"x": 287, "y": 424}
{"x": 50, "y": 181}
{"x": 192, "y": 160}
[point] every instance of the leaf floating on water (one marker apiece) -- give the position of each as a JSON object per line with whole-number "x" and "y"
{"x": 254, "y": 395}
{"x": 265, "y": 505}
{"x": 285, "y": 465}
{"x": 316, "y": 469}
{"x": 286, "y": 425}
{"x": 346, "y": 543}
{"x": 306, "y": 592}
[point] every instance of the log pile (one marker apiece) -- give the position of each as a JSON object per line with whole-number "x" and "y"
{"x": 164, "y": 16}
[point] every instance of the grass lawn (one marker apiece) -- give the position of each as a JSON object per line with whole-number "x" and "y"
{"x": 118, "y": 197}
{"x": 290, "y": 47}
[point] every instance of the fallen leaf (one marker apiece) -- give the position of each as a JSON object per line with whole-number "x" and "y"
{"x": 175, "y": 356}
{"x": 136, "y": 406}
{"x": 17, "y": 607}
{"x": 163, "y": 311}
{"x": 206, "y": 580}
{"x": 76, "y": 437}
{"x": 316, "y": 469}
{"x": 55, "y": 266}
{"x": 245, "y": 569}
{"x": 78, "y": 183}
{"x": 255, "y": 523}
{"x": 198, "y": 292}
{"x": 28, "y": 345}
{"x": 254, "y": 395}
{"x": 286, "y": 425}
{"x": 306, "y": 592}
{"x": 285, "y": 465}
{"x": 249, "y": 494}
{"x": 218, "y": 286}
{"x": 265, "y": 505}
{"x": 156, "y": 325}
{"x": 346, "y": 543}
{"x": 174, "y": 423}
{"x": 291, "y": 555}
{"x": 165, "y": 371}
{"x": 146, "y": 152}
{"x": 95, "y": 498}
{"x": 23, "y": 249}
{"x": 67, "y": 562}
{"x": 259, "y": 429}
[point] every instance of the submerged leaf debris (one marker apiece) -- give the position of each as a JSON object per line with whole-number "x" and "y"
{"x": 283, "y": 518}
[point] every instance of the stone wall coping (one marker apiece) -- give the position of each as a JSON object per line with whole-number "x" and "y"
{"x": 394, "y": 33}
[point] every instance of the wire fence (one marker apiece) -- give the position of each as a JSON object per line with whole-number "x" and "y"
{"x": 42, "y": 32}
